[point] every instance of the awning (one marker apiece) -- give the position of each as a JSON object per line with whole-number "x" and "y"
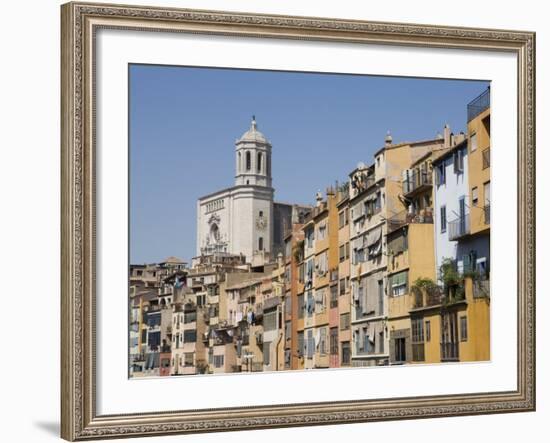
{"x": 373, "y": 237}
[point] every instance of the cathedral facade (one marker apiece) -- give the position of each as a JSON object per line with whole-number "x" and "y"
{"x": 240, "y": 219}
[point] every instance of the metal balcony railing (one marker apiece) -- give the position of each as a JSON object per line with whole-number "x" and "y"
{"x": 449, "y": 351}
{"x": 417, "y": 179}
{"x": 481, "y": 288}
{"x": 405, "y": 217}
{"x": 460, "y": 227}
{"x": 479, "y": 104}
{"x": 426, "y": 298}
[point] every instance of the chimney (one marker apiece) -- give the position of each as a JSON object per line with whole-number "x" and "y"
{"x": 446, "y": 136}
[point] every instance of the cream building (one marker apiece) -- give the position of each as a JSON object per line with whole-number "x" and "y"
{"x": 239, "y": 219}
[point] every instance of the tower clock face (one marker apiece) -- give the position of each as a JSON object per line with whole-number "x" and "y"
{"x": 261, "y": 223}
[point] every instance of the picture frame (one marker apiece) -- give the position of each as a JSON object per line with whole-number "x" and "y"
{"x": 80, "y": 23}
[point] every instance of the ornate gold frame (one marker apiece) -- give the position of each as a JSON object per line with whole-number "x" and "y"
{"x": 79, "y": 420}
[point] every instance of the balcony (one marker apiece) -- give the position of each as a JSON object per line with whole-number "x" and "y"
{"x": 417, "y": 181}
{"x": 426, "y": 298}
{"x": 406, "y": 217}
{"x": 460, "y": 227}
{"x": 481, "y": 288}
{"x": 479, "y": 104}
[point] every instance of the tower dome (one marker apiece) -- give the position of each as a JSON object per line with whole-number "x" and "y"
{"x": 253, "y": 158}
{"x": 253, "y": 135}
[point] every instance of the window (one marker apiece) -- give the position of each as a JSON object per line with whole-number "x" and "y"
{"x": 428, "y": 330}
{"x": 301, "y": 306}
{"x": 267, "y": 346}
{"x": 310, "y": 304}
{"x": 443, "y": 210}
{"x": 342, "y": 218}
{"x": 417, "y": 326}
{"x": 334, "y": 296}
{"x": 190, "y": 317}
{"x": 288, "y": 304}
{"x": 270, "y": 320}
{"x": 399, "y": 283}
{"x": 322, "y": 230}
{"x": 261, "y": 213}
{"x": 474, "y": 196}
{"x": 218, "y": 361}
{"x": 320, "y": 300}
{"x": 380, "y": 297}
{"x": 342, "y": 253}
{"x": 190, "y": 336}
{"x": 342, "y": 286}
{"x": 310, "y": 237}
{"x": 301, "y": 344}
{"x": 400, "y": 353}
{"x": 248, "y": 161}
{"x": 310, "y": 344}
{"x": 486, "y": 158}
{"x": 398, "y": 242}
{"x": 260, "y": 244}
{"x": 323, "y": 341}
{"x": 288, "y": 330}
{"x": 473, "y": 142}
{"x": 344, "y": 321}
{"x": 346, "y": 353}
{"x": 259, "y": 162}
{"x": 188, "y": 359}
{"x": 458, "y": 161}
{"x": 333, "y": 341}
{"x": 449, "y": 337}
{"x": 463, "y": 328}
{"x": 440, "y": 172}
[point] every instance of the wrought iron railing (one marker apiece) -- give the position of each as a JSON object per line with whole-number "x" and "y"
{"x": 417, "y": 179}
{"x": 459, "y": 227}
{"x": 479, "y": 104}
{"x": 449, "y": 351}
{"x": 405, "y": 217}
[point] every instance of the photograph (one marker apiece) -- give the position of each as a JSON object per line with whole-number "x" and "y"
{"x": 283, "y": 221}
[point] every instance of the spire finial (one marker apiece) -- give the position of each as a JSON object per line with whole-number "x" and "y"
{"x": 388, "y": 138}
{"x": 254, "y": 124}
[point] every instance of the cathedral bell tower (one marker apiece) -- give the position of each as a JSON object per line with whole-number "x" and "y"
{"x": 253, "y": 158}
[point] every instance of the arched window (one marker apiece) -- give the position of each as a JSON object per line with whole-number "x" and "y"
{"x": 239, "y": 162}
{"x": 260, "y": 244}
{"x": 248, "y": 161}
{"x": 259, "y": 162}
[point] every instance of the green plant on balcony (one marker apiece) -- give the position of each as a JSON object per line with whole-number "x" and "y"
{"x": 453, "y": 281}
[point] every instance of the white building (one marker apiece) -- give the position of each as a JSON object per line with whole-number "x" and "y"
{"x": 239, "y": 219}
{"x": 452, "y": 212}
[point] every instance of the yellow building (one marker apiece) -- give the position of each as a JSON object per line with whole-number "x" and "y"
{"x": 479, "y": 163}
{"x": 410, "y": 254}
{"x": 344, "y": 305}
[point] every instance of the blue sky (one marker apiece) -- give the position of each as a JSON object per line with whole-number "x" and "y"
{"x": 184, "y": 122}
